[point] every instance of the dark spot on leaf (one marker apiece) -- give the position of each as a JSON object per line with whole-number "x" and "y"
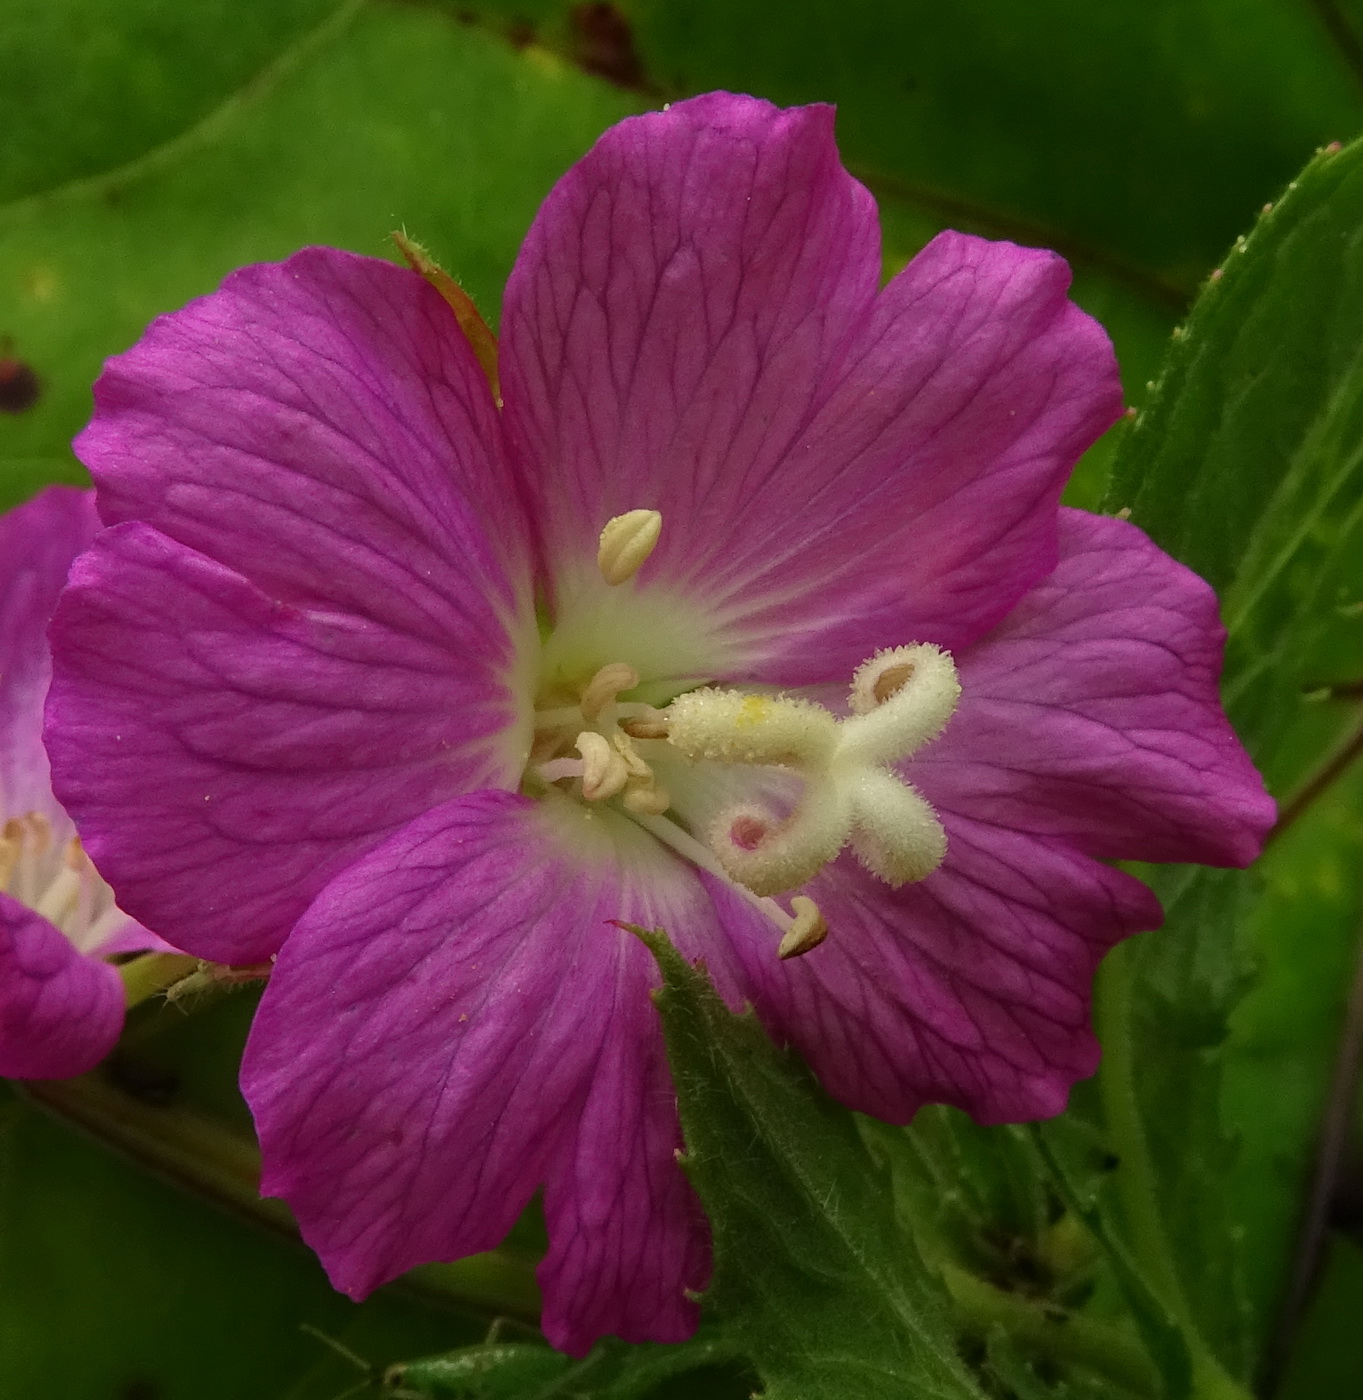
{"x": 520, "y": 33}
{"x": 603, "y": 44}
{"x": 1110, "y": 1162}
{"x": 140, "y": 1390}
{"x": 20, "y": 387}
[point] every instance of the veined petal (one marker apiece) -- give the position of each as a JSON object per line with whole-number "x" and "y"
{"x": 60, "y": 1012}
{"x": 322, "y": 427}
{"x": 457, "y": 1019}
{"x": 693, "y": 327}
{"x": 925, "y": 488}
{"x": 225, "y": 754}
{"x": 679, "y": 299}
{"x": 1091, "y": 714}
{"x": 971, "y": 987}
{"x": 38, "y": 541}
{"x": 624, "y": 1224}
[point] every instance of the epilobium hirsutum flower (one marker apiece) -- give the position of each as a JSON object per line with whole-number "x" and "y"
{"x": 426, "y": 694}
{"x": 61, "y": 1003}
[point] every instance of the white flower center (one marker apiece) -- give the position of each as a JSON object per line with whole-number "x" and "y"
{"x": 598, "y": 747}
{"x": 56, "y": 880}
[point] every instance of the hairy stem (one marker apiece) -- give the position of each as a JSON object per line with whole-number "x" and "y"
{"x": 1107, "y": 1351}
{"x": 1315, "y": 786}
{"x": 151, "y": 973}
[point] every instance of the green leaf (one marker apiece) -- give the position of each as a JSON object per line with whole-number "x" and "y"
{"x": 1017, "y": 109}
{"x": 392, "y": 116}
{"x": 1305, "y": 932}
{"x": 1248, "y": 466}
{"x": 87, "y": 85}
{"x": 816, "y": 1280}
{"x": 1329, "y": 1358}
{"x": 1164, "y": 1337}
{"x": 111, "y": 1281}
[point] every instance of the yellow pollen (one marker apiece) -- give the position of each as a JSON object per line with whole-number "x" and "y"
{"x": 754, "y": 711}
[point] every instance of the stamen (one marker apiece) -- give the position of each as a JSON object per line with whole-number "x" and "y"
{"x": 604, "y": 772}
{"x": 556, "y": 769}
{"x": 646, "y": 796}
{"x": 625, "y": 748}
{"x": 626, "y": 542}
{"x": 59, "y": 899}
{"x": 603, "y": 687}
{"x": 646, "y": 727}
{"x": 10, "y": 847}
{"x": 699, "y": 855}
{"x": 807, "y": 930}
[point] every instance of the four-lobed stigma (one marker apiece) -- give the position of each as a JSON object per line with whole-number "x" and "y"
{"x": 603, "y": 749}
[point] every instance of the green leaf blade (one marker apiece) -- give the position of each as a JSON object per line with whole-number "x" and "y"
{"x": 823, "y": 1290}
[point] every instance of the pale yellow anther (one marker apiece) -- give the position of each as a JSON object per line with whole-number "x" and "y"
{"x": 646, "y": 796}
{"x": 604, "y": 772}
{"x": 646, "y": 727}
{"x": 807, "y": 929}
{"x": 59, "y": 899}
{"x": 626, "y": 542}
{"x": 604, "y": 686}
{"x": 624, "y": 746}
{"x": 9, "y": 856}
{"x": 39, "y": 831}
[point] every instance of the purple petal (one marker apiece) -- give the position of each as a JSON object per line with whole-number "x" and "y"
{"x": 38, "y": 541}
{"x": 322, "y": 427}
{"x": 1092, "y": 715}
{"x": 624, "y": 1224}
{"x": 456, "y": 1020}
{"x": 928, "y": 482}
{"x": 693, "y": 326}
{"x": 60, "y": 1013}
{"x": 225, "y": 754}
{"x": 970, "y": 988}
{"x": 128, "y": 936}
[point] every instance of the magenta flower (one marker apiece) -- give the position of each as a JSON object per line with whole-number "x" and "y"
{"x": 61, "y": 1003}
{"x": 372, "y": 675}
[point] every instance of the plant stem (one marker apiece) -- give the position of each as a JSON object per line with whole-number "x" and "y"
{"x": 151, "y": 973}
{"x": 1330, "y": 1148}
{"x": 1334, "y": 768}
{"x": 1105, "y": 1350}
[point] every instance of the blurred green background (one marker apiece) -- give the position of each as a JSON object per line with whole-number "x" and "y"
{"x": 146, "y": 148}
